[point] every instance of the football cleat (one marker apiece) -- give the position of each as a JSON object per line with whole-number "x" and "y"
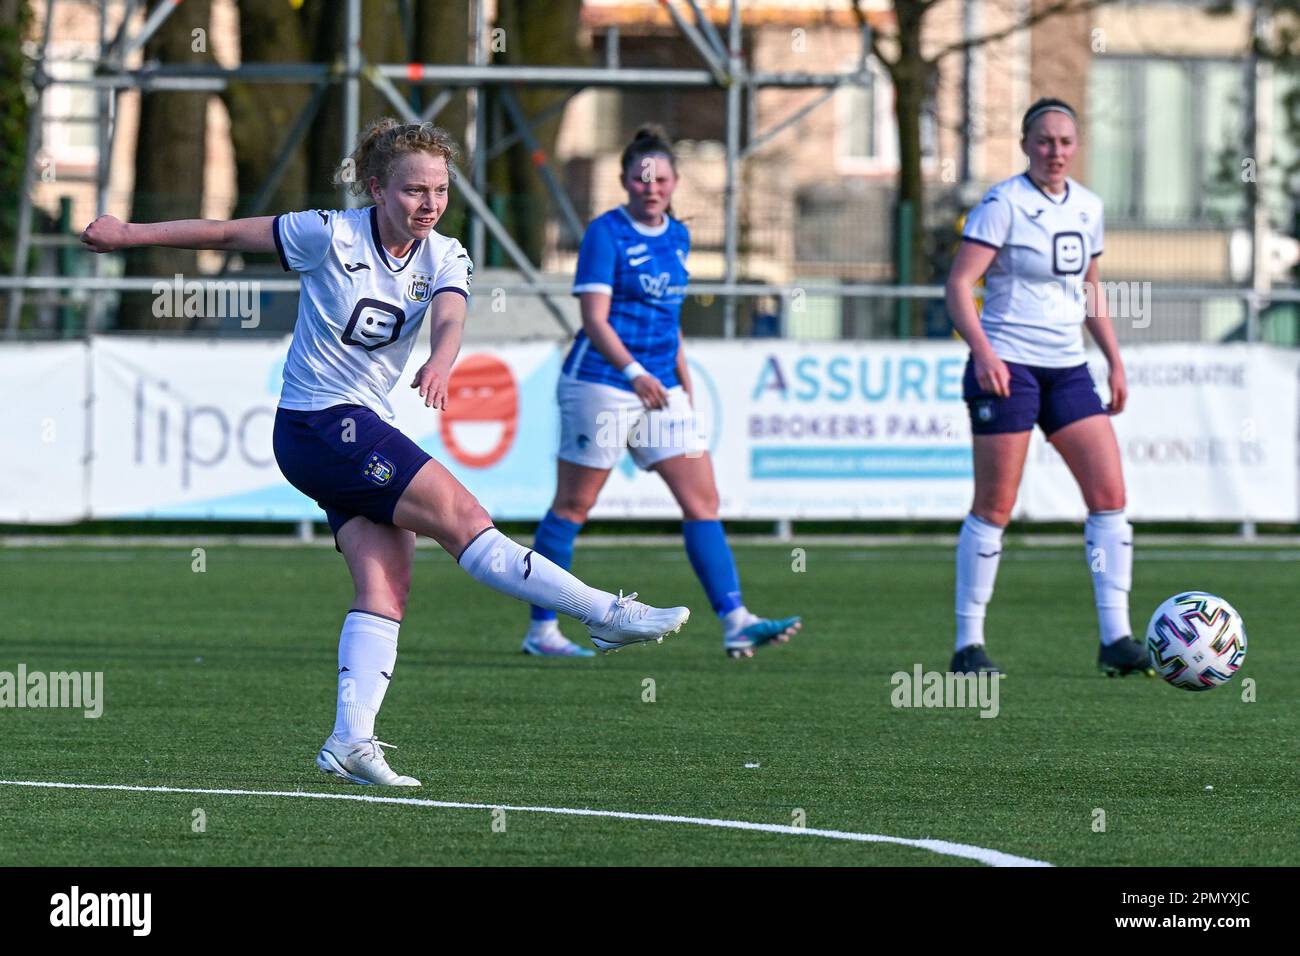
{"x": 631, "y": 622}
{"x": 545, "y": 640}
{"x": 760, "y": 632}
{"x": 361, "y": 761}
{"x": 1125, "y": 656}
{"x": 972, "y": 660}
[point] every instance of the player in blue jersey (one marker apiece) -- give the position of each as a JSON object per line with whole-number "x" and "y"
{"x": 1035, "y": 239}
{"x": 625, "y": 385}
{"x": 369, "y": 278}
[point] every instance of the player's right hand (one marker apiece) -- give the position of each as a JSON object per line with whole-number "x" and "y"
{"x": 993, "y": 375}
{"x": 105, "y": 234}
{"x": 651, "y": 391}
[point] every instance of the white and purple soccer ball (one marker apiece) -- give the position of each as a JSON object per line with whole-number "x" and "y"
{"x": 1196, "y": 640}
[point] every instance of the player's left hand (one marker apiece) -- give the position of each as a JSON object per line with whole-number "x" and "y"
{"x": 431, "y": 380}
{"x": 1118, "y": 390}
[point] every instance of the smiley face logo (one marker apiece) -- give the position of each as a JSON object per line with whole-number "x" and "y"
{"x": 1067, "y": 253}
{"x": 482, "y": 413}
{"x": 373, "y": 324}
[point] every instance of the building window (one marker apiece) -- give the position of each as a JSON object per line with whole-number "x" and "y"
{"x": 71, "y": 113}
{"x": 1164, "y": 139}
{"x": 867, "y": 140}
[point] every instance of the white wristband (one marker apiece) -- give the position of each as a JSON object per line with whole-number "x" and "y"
{"x": 633, "y": 370}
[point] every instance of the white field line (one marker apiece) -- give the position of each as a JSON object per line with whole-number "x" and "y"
{"x": 942, "y": 847}
{"x": 884, "y": 541}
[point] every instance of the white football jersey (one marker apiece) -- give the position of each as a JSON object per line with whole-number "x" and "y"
{"x": 359, "y": 309}
{"x": 1034, "y": 303}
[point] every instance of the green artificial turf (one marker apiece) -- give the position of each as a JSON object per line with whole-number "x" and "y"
{"x": 226, "y": 679}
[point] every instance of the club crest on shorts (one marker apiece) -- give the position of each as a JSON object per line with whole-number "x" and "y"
{"x": 421, "y": 288}
{"x": 379, "y": 470}
{"x": 984, "y": 411}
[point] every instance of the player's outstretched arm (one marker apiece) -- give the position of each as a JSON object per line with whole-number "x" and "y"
{"x": 446, "y": 325}
{"x": 972, "y": 262}
{"x": 109, "y": 234}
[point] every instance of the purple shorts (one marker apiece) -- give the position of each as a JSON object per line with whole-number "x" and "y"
{"x": 1049, "y": 397}
{"x": 348, "y": 459}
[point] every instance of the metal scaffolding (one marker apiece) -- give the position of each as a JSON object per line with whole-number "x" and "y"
{"x": 725, "y": 69}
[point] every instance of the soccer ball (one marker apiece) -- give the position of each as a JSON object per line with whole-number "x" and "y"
{"x": 1196, "y": 640}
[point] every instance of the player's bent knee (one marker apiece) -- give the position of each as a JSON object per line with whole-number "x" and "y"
{"x": 994, "y": 512}
{"x": 472, "y": 517}
{"x": 572, "y": 508}
{"x": 1112, "y": 500}
{"x": 700, "y": 510}
{"x": 382, "y": 601}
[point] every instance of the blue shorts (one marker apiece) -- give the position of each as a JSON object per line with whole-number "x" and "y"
{"x": 348, "y": 459}
{"x": 1049, "y": 397}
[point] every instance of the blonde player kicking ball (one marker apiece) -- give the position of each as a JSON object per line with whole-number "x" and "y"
{"x": 1035, "y": 239}
{"x": 369, "y": 276}
{"x": 624, "y": 385}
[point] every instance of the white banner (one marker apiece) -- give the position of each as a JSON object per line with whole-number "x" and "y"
{"x": 824, "y": 430}
{"x": 1210, "y": 434}
{"x": 183, "y": 430}
{"x": 43, "y": 432}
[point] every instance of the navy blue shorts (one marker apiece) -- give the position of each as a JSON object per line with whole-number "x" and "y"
{"x": 1049, "y": 397}
{"x": 348, "y": 459}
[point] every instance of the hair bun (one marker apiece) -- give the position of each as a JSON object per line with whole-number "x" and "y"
{"x": 650, "y": 131}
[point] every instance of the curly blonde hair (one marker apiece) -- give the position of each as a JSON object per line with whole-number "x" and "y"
{"x": 383, "y": 143}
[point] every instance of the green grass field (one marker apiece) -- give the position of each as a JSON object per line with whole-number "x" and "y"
{"x": 225, "y": 680}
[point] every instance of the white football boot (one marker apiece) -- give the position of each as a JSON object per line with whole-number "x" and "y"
{"x": 360, "y": 762}
{"x": 631, "y": 622}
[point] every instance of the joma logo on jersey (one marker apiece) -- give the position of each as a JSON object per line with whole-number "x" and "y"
{"x": 655, "y": 285}
{"x": 379, "y": 470}
{"x": 420, "y": 289}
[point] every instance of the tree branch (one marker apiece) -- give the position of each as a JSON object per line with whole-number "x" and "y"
{"x": 1057, "y": 9}
{"x": 876, "y": 49}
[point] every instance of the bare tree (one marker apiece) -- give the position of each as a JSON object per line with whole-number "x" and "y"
{"x": 914, "y": 74}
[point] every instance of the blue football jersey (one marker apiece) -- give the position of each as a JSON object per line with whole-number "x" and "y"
{"x": 643, "y": 270}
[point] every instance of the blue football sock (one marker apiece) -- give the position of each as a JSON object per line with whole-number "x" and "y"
{"x": 554, "y": 541}
{"x": 706, "y": 546}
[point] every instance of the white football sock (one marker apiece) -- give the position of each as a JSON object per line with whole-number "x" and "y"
{"x": 979, "y": 547}
{"x": 538, "y": 628}
{"x": 367, "y": 653}
{"x": 736, "y": 620}
{"x": 1108, "y": 546}
{"x": 522, "y": 573}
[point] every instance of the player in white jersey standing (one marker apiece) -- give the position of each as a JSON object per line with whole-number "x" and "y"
{"x": 1035, "y": 239}
{"x": 369, "y": 277}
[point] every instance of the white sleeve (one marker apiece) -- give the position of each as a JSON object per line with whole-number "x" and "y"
{"x": 302, "y": 239}
{"x": 1098, "y": 239}
{"x": 456, "y": 272}
{"x": 989, "y": 223}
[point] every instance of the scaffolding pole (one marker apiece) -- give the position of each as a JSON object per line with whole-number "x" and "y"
{"x": 23, "y": 246}
{"x": 735, "y": 69}
{"x": 352, "y": 89}
{"x": 726, "y": 69}
{"x": 478, "y": 148}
